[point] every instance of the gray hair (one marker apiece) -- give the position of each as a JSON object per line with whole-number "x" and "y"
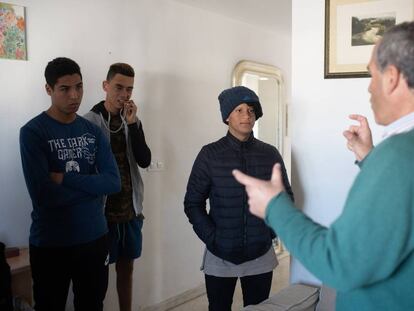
{"x": 397, "y": 48}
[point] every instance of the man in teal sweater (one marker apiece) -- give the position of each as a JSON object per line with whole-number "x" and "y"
{"x": 350, "y": 255}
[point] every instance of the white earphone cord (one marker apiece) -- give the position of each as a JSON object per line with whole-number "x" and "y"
{"x": 108, "y": 126}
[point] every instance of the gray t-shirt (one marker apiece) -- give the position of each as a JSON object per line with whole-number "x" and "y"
{"x": 215, "y": 266}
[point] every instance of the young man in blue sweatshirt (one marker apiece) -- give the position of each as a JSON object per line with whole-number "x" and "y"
{"x": 350, "y": 255}
{"x": 68, "y": 166}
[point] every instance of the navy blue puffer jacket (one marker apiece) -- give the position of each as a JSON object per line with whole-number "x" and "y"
{"x": 228, "y": 229}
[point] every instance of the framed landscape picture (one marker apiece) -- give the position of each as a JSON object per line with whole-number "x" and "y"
{"x": 352, "y": 27}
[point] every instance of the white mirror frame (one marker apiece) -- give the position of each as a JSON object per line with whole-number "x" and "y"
{"x": 264, "y": 70}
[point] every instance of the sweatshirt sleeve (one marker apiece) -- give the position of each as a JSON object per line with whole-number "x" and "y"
{"x": 198, "y": 190}
{"x": 350, "y": 254}
{"x": 106, "y": 180}
{"x": 42, "y": 190}
{"x": 140, "y": 149}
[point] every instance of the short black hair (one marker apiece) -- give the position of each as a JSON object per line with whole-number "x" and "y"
{"x": 59, "y": 67}
{"x": 121, "y": 68}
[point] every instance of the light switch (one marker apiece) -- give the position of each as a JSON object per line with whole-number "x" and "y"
{"x": 155, "y": 166}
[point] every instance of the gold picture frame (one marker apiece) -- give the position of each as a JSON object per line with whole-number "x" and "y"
{"x": 352, "y": 27}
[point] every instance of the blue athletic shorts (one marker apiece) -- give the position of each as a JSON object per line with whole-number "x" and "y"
{"x": 125, "y": 239}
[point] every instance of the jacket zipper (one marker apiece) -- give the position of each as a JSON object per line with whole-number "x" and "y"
{"x": 244, "y": 167}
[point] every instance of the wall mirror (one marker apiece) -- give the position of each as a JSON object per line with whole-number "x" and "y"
{"x": 267, "y": 82}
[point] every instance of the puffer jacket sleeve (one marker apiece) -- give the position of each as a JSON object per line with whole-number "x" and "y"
{"x": 198, "y": 190}
{"x": 285, "y": 178}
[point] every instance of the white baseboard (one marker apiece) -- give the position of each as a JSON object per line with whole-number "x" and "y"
{"x": 177, "y": 300}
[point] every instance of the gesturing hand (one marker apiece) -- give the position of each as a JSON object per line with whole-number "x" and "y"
{"x": 130, "y": 111}
{"x": 359, "y": 138}
{"x": 260, "y": 192}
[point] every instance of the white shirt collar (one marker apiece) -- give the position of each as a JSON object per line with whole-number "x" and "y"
{"x": 401, "y": 125}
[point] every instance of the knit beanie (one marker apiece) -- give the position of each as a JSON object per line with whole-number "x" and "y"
{"x": 232, "y": 97}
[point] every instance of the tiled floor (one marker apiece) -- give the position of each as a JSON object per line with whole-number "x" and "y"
{"x": 280, "y": 280}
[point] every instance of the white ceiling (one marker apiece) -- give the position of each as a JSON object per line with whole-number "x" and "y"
{"x": 269, "y": 14}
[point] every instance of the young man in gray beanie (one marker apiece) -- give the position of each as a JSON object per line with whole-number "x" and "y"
{"x": 238, "y": 244}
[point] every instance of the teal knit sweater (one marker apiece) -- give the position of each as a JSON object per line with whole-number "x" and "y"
{"x": 367, "y": 254}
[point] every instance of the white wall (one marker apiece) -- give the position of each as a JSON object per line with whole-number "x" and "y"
{"x": 183, "y": 58}
{"x": 322, "y": 167}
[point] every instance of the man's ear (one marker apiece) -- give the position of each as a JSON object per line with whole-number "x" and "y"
{"x": 391, "y": 79}
{"x": 48, "y": 89}
{"x": 105, "y": 85}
